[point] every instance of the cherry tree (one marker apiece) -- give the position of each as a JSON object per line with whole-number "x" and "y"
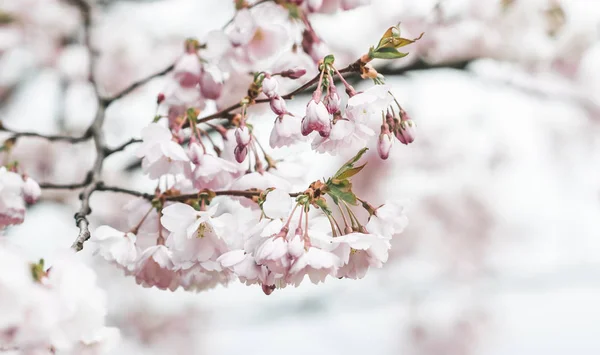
{"x": 223, "y": 208}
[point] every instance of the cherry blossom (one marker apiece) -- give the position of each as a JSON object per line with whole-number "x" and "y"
{"x": 12, "y": 204}
{"x": 155, "y": 268}
{"x": 285, "y": 131}
{"x": 161, "y": 155}
{"x": 115, "y": 246}
{"x": 359, "y": 251}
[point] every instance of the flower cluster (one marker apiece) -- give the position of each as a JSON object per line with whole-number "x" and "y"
{"x": 59, "y": 309}
{"x": 207, "y": 240}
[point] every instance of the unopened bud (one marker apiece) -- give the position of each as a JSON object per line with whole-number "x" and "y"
{"x": 294, "y": 73}
{"x": 268, "y": 289}
{"x": 407, "y": 132}
{"x": 160, "y": 98}
{"x": 384, "y": 144}
{"x": 332, "y": 99}
{"x": 278, "y": 105}
{"x": 240, "y": 152}
{"x": 31, "y": 190}
{"x": 242, "y": 136}
{"x": 269, "y": 86}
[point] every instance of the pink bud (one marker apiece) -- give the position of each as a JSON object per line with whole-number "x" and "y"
{"x": 242, "y": 136}
{"x": 211, "y": 82}
{"x": 195, "y": 151}
{"x": 332, "y": 100}
{"x": 314, "y": 5}
{"x": 240, "y": 153}
{"x": 408, "y": 131}
{"x": 384, "y": 144}
{"x": 316, "y": 119}
{"x": 269, "y": 86}
{"x": 31, "y": 190}
{"x": 294, "y": 73}
{"x": 268, "y": 289}
{"x": 160, "y": 98}
{"x": 278, "y": 105}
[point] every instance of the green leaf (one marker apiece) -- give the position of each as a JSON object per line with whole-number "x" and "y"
{"x": 350, "y": 164}
{"x": 388, "y": 53}
{"x": 351, "y": 172}
{"x": 341, "y": 190}
{"x": 323, "y": 205}
{"x": 328, "y": 60}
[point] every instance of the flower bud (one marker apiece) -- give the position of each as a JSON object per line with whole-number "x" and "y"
{"x": 195, "y": 151}
{"x": 240, "y": 152}
{"x": 278, "y": 105}
{"x": 268, "y": 289}
{"x": 160, "y": 98}
{"x": 316, "y": 119}
{"x": 269, "y": 86}
{"x": 384, "y": 144}
{"x": 294, "y": 73}
{"x": 242, "y": 136}
{"x": 31, "y": 190}
{"x": 407, "y": 131}
{"x": 332, "y": 100}
{"x": 211, "y": 82}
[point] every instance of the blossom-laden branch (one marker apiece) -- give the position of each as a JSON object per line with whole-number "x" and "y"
{"x": 187, "y": 237}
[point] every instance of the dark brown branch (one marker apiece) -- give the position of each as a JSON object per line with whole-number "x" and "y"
{"x": 101, "y": 187}
{"x": 51, "y": 138}
{"x": 237, "y": 193}
{"x": 137, "y": 84}
{"x": 109, "y": 151}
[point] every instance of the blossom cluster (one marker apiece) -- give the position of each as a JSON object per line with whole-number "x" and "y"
{"x": 58, "y": 310}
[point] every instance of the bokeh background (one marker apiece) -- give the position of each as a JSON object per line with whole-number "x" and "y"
{"x": 502, "y": 253}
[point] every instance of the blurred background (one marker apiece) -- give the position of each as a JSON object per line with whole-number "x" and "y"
{"x": 501, "y": 255}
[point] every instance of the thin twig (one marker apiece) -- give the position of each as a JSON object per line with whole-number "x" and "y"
{"x": 137, "y": 84}
{"x": 51, "y": 138}
{"x": 109, "y": 151}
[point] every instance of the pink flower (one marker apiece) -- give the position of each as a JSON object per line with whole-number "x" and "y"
{"x": 406, "y": 130}
{"x": 155, "y": 268}
{"x": 115, "y": 246}
{"x": 204, "y": 276}
{"x": 187, "y": 70}
{"x": 278, "y": 204}
{"x": 242, "y": 265}
{"x": 31, "y": 190}
{"x": 213, "y": 172}
{"x": 332, "y": 100}
{"x": 259, "y": 181}
{"x": 286, "y": 131}
{"x": 316, "y": 119}
{"x": 160, "y": 154}
{"x": 12, "y": 205}
{"x": 358, "y": 252}
{"x": 261, "y": 41}
{"x": 314, "y": 5}
{"x": 195, "y": 235}
{"x": 211, "y": 82}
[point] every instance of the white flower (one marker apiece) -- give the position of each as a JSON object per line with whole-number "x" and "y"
{"x": 213, "y": 172}
{"x": 345, "y": 135}
{"x": 366, "y": 107}
{"x": 316, "y": 263}
{"x": 389, "y": 219}
{"x": 160, "y": 154}
{"x": 211, "y": 82}
{"x": 359, "y": 251}
{"x": 114, "y": 245}
{"x": 278, "y": 204}
{"x": 195, "y": 235}
{"x": 260, "y": 181}
{"x": 286, "y": 131}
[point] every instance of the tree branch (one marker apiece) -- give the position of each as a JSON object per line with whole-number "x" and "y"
{"x": 135, "y": 85}
{"x": 52, "y": 138}
{"x": 110, "y": 151}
